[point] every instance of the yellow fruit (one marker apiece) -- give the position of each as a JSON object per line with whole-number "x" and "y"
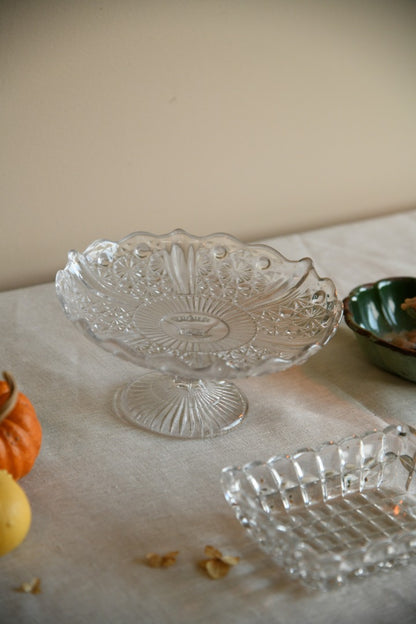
{"x": 15, "y": 513}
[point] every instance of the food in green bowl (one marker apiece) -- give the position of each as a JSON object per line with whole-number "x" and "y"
{"x": 382, "y": 316}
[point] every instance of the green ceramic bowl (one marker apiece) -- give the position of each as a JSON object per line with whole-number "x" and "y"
{"x": 374, "y": 314}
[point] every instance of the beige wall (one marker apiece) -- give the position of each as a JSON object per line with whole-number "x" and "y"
{"x": 253, "y": 117}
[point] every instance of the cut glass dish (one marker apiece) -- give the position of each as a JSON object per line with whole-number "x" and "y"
{"x": 199, "y": 311}
{"x": 342, "y": 511}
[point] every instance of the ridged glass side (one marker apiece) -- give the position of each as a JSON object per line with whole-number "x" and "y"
{"x": 343, "y": 510}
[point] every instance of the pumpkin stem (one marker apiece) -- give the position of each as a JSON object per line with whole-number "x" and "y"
{"x": 10, "y": 403}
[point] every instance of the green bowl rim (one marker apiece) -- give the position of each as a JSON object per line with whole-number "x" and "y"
{"x": 349, "y": 318}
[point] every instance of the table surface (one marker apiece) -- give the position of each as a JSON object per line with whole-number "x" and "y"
{"x": 104, "y": 494}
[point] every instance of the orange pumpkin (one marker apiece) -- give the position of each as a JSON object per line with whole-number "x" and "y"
{"x": 20, "y": 430}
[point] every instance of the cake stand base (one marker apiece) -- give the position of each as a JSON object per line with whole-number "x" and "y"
{"x": 181, "y": 408}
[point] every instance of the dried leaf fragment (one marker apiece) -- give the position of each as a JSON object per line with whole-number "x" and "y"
{"x": 218, "y": 565}
{"x": 155, "y": 560}
{"x": 216, "y": 568}
{"x": 212, "y": 552}
{"x": 32, "y": 587}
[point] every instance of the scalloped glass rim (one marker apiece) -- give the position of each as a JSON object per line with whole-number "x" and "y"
{"x": 100, "y": 291}
{"x": 328, "y": 515}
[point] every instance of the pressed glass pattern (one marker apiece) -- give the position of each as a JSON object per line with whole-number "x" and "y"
{"x": 202, "y": 310}
{"x": 344, "y": 510}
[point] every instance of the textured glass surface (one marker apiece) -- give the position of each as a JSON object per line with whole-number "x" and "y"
{"x": 208, "y": 308}
{"x": 328, "y": 515}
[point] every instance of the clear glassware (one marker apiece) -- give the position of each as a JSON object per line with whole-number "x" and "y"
{"x": 342, "y": 511}
{"x": 199, "y": 311}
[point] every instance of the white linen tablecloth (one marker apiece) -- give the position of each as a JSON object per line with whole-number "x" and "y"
{"x": 103, "y": 493}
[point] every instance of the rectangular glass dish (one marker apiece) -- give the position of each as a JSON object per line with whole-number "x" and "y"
{"x": 346, "y": 509}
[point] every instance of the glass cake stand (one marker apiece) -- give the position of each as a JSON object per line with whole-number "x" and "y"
{"x": 197, "y": 311}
